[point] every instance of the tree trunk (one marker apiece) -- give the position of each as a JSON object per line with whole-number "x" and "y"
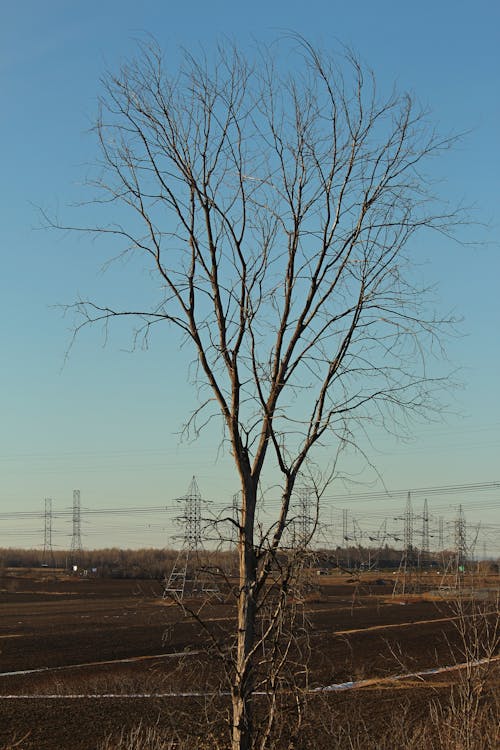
{"x": 242, "y": 734}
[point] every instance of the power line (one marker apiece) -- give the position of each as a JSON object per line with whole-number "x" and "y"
{"x": 135, "y": 520}
{"x": 399, "y": 494}
{"x": 396, "y": 495}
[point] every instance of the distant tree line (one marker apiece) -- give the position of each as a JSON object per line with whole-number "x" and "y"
{"x": 153, "y": 563}
{"x": 112, "y": 562}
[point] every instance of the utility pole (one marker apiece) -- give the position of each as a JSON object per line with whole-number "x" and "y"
{"x": 76, "y": 549}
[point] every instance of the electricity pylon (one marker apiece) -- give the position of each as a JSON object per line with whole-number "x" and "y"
{"x": 76, "y": 549}
{"x": 304, "y": 522}
{"x": 425, "y": 551}
{"x": 235, "y": 517}
{"x": 407, "y": 558}
{"x": 345, "y": 537}
{"x": 48, "y": 552}
{"x": 185, "y": 578}
{"x": 380, "y": 537}
{"x": 460, "y": 544}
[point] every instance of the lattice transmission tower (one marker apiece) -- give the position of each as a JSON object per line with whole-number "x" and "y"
{"x": 233, "y": 535}
{"x": 408, "y": 532}
{"x": 76, "y": 549}
{"x": 304, "y": 522}
{"x": 345, "y": 536}
{"x": 426, "y": 548}
{"x": 48, "y": 552}
{"x": 408, "y": 554}
{"x": 235, "y": 516}
{"x": 460, "y": 543}
{"x": 380, "y": 538}
{"x": 186, "y": 578}
{"x": 441, "y": 534}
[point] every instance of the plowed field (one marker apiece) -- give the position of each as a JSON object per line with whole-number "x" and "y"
{"x": 82, "y": 658}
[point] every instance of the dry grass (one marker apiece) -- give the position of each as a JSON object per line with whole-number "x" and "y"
{"x": 441, "y": 729}
{"x": 152, "y": 737}
{"x": 141, "y": 737}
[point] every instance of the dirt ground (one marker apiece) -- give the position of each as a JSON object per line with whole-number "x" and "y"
{"x": 81, "y": 658}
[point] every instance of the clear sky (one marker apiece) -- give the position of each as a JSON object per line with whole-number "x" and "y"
{"x": 107, "y": 421}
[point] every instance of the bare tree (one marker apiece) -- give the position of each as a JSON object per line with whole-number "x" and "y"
{"x": 275, "y": 210}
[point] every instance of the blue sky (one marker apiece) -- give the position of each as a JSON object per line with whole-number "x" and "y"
{"x": 107, "y": 421}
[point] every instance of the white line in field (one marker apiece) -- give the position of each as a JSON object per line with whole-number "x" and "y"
{"x": 397, "y": 678}
{"x": 128, "y": 660}
{"x": 340, "y": 686}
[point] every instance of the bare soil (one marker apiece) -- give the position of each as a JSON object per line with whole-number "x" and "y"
{"x": 81, "y": 658}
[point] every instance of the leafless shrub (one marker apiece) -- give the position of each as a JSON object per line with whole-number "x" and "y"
{"x": 472, "y": 719}
{"x": 454, "y": 729}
